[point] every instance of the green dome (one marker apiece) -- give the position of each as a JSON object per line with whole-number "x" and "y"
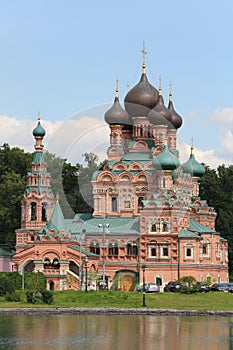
{"x": 39, "y": 131}
{"x": 165, "y": 160}
{"x": 193, "y": 167}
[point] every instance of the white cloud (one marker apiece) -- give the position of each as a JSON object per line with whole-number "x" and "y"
{"x": 83, "y": 133}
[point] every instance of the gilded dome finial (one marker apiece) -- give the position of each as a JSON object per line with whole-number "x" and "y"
{"x": 57, "y": 197}
{"x": 143, "y": 57}
{"x": 38, "y": 118}
{"x": 192, "y": 148}
{"x": 127, "y": 86}
{"x": 117, "y": 91}
{"x": 170, "y": 94}
{"x": 160, "y": 85}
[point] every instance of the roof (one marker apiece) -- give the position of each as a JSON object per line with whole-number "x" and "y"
{"x": 187, "y": 234}
{"x": 197, "y": 227}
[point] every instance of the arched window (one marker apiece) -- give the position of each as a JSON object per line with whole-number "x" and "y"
{"x": 140, "y": 203}
{"x": 132, "y": 249}
{"x": 44, "y": 211}
{"x": 114, "y": 138}
{"x": 33, "y": 211}
{"x": 114, "y": 204}
{"x": 95, "y": 248}
{"x": 113, "y": 249}
{"x": 153, "y": 228}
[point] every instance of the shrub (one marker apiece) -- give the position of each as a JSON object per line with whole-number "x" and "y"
{"x": 47, "y": 297}
{"x": 14, "y": 296}
{"x": 34, "y": 297}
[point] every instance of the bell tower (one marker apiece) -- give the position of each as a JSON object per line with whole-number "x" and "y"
{"x": 38, "y": 199}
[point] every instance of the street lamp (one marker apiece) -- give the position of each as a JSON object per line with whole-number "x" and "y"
{"x": 86, "y": 261}
{"x": 104, "y": 228}
{"x": 81, "y": 237}
{"x": 143, "y": 286}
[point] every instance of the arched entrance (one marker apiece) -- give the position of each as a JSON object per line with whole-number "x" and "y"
{"x": 51, "y": 285}
{"x": 125, "y": 280}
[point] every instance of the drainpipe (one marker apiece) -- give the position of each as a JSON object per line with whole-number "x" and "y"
{"x": 178, "y": 258}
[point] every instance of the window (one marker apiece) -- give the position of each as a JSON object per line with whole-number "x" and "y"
{"x": 153, "y": 251}
{"x": 132, "y": 249}
{"x": 140, "y": 203}
{"x": 113, "y": 249}
{"x": 153, "y": 228}
{"x": 165, "y": 251}
{"x": 114, "y": 204}
{"x": 33, "y": 211}
{"x": 44, "y": 211}
{"x": 189, "y": 252}
{"x": 204, "y": 249}
{"x": 165, "y": 227}
{"x": 95, "y": 248}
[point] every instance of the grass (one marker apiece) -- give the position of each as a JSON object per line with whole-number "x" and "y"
{"x": 70, "y": 299}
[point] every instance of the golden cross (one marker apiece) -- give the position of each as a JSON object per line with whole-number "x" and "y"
{"x": 160, "y": 82}
{"x": 170, "y": 87}
{"x": 143, "y": 51}
{"x": 127, "y": 86}
{"x": 38, "y": 116}
{"x": 117, "y": 81}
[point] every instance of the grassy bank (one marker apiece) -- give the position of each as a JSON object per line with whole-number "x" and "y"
{"x": 71, "y": 299}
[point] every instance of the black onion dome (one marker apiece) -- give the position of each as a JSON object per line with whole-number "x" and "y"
{"x": 176, "y": 118}
{"x": 116, "y": 114}
{"x": 160, "y": 115}
{"x": 141, "y": 98}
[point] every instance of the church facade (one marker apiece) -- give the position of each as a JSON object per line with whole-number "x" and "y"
{"x": 147, "y": 211}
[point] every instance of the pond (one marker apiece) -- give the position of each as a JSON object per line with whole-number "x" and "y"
{"x": 61, "y": 332}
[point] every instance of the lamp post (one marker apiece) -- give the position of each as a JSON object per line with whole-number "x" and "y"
{"x": 104, "y": 228}
{"x": 86, "y": 261}
{"x": 22, "y": 269}
{"x": 81, "y": 237}
{"x": 143, "y": 286}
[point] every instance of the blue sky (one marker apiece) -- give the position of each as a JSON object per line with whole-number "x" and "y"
{"x": 63, "y": 57}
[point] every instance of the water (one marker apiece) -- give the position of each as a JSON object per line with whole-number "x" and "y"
{"x": 97, "y": 332}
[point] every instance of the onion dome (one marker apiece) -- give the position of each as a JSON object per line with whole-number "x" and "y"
{"x": 160, "y": 115}
{"x": 193, "y": 167}
{"x": 39, "y": 131}
{"x": 176, "y": 118}
{"x": 165, "y": 160}
{"x": 116, "y": 114}
{"x": 141, "y": 98}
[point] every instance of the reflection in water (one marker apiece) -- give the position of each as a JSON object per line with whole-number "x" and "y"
{"x": 63, "y": 332}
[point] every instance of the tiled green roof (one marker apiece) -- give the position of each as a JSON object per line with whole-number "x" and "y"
{"x": 86, "y": 252}
{"x": 197, "y": 227}
{"x": 137, "y": 156}
{"x": 116, "y": 226}
{"x": 187, "y": 234}
{"x": 57, "y": 221}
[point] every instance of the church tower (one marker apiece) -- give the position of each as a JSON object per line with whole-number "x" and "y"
{"x": 38, "y": 199}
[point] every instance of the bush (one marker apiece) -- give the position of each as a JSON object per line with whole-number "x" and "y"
{"x": 47, "y": 297}
{"x": 14, "y": 296}
{"x": 36, "y": 297}
{"x": 9, "y": 282}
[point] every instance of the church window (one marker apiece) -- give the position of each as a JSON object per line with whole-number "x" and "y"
{"x": 204, "y": 249}
{"x": 153, "y": 228}
{"x": 165, "y": 251}
{"x": 114, "y": 139}
{"x": 95, "y": 248}
{"x": 132, "y": 249}
{"x": 189, "y": 252}
{"x": 164, "y": 182}
{"x": 33, "y": 211}
{"x": 140, "y": 203}
{"x": 113, "y": 249}
{"x": 114, "y": 204}
{"x": 44, "y": 212}
{"x": 165, "y": 227}
{"x": 153, "y": 251}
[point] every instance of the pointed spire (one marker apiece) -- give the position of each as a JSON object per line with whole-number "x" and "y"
{"x": 57, "y": 197}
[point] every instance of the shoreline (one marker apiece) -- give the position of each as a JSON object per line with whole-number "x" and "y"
{"x": 113, "y": 311}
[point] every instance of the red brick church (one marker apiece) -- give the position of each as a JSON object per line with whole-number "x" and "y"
{"x": 147, "y": 209}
